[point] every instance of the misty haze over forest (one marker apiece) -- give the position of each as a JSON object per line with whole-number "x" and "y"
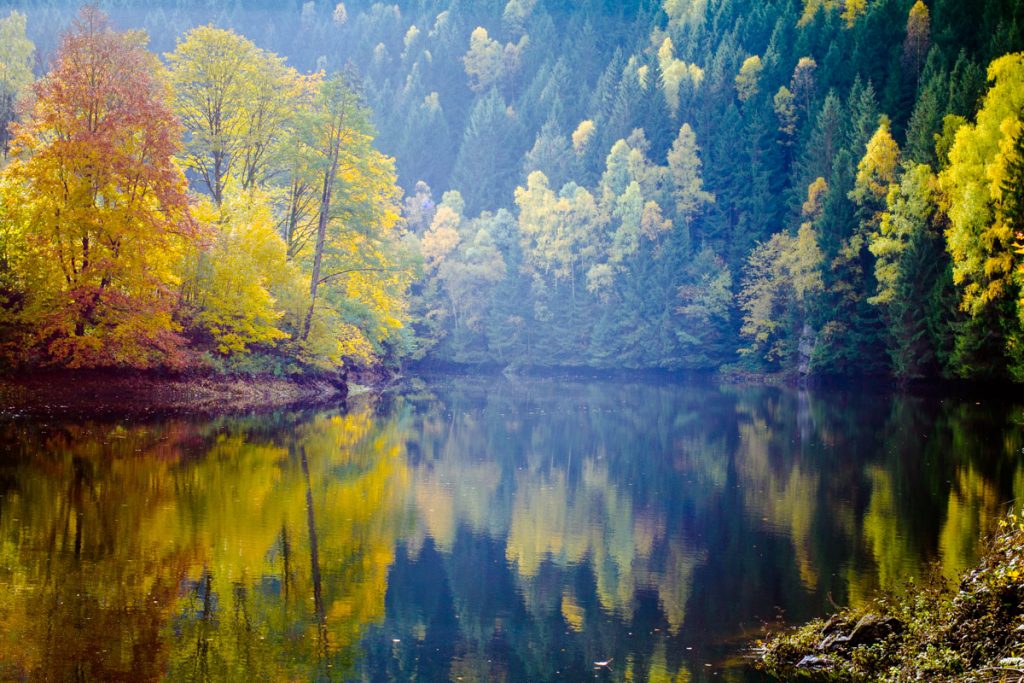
{"x": 801, "y": 187}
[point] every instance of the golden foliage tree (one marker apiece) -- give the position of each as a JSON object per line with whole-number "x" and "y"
{"x": 749, "y": 77}
{"x": 782, "y": 275}
{"x": 358, "y": 261}
{"x": 16, "y": 56}
{"x": 243, "y": 288}
{"x": 106, "y": 211}
{"x": 234, "y": 100}
{"x": 980, "y": 238}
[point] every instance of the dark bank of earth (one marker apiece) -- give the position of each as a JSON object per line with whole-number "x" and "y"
{"x": 123, "y": 392}
{"x": 975, "y": 633}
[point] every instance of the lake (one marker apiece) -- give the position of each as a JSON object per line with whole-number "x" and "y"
{"x": 482, "y": 529}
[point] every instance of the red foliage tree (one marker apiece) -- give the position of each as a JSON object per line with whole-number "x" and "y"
{"x": 107, "y": 211}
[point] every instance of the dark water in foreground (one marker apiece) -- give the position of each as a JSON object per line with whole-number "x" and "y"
{"x": 481, "y": 530}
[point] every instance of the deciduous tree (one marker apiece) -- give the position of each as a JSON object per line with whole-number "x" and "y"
{"x": 16, "y": 56}
{"x": 107, "y": 211}
{"x": 234, "y": 100}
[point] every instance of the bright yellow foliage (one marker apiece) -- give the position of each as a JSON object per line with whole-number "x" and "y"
{"x": 851, "y": 10}
{"x": 582, "y": 136}
{"x": 781, "y": 275}
{"x": 685, "y": 175}
{"x": 353, "y": 245}
{"x": 685, "y": 12}
{"x": 748, "y": 79}
{"x": 910, "y": 204}
{"x": 441, "y": 238}
{"x": 103, "y": 205}
{"x": 876, "y": 172}
{"x": 234, "y": 100}
{"x": 240, "y": 276}
{"x": 785, "y": 111}
{"x": 166, "y": 536}
{"x": 484, "y": 62}
{"x": 557, "y": 229}
{"x": 979, "y": 239}
{"x": 676, "y": 74}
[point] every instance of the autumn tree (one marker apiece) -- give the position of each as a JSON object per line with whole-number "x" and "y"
{"x": 469, "y": 275}
{"x": 918, "y": 40}
{"x": 243, "y": 290}
{"x": 782, "y": 277}
{"x": 909, "y": 267}
{"x": 484, "y": 61}
{"x": 678, "y": 77}
{"x": 353, "y": 251}
{"x": 16, "y": 56}
{"x": 106, "y": 208}
{"x": 685, "y": 174}
{"x": 748, "y": 79}
{"x": 234, "y": 100}
{"x": 803, "y": 82}
{"x": 981, "y": 234}
{"x": 582, "y": 136}
{"x": 557, "y": 228}
{"x": 876, "y": 174}
{"x": 785, "y": 112}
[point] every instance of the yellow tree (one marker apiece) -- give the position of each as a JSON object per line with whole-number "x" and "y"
{"x": 676, "y": 74}
{"x": 16, "y": 55}
{"x": 749, "y": 77}
{"x": 918, "y": 40}
{"x": 851, "y": 10}
{"x": 980, "y": 237}
{"x": 358, "y": 262}
{"x": 298, "y": 194}
{"x": 876, "y": 174}
{"x": 559, "y": 231}
{"x": 685, "y": 173}
{"x": 106, "y": 208}
{"x": 582, "y": 136}
{"x": 781, "y": 277}
{"x": 485, "y": 60}
{"x": 234, "y": 100}
{"x": 910, "y": 204}
{"x": 242, "y": 288}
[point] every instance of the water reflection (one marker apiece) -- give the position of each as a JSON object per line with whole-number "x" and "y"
{"x": 481, "y": 530}
{"x": 216, "y": 551}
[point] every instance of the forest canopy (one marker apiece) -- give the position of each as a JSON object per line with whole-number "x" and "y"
{"x": 804, "y": 187}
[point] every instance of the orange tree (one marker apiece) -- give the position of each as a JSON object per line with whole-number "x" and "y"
{"x": 103, "y": 211}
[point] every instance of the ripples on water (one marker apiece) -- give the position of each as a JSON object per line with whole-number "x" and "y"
{"x": 481, "y": 529}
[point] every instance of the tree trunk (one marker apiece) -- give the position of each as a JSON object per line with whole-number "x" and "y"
{"x": 321, "y": 230}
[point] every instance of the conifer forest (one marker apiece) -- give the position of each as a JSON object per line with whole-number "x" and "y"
{"x": 822, "y": 188}
{"x": 512, "y": 340}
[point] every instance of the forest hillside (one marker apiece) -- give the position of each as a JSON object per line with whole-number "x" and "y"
{"x": 822, "y": 187}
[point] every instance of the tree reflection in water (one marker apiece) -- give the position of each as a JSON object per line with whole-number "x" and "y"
{"x": 486, "y": 531}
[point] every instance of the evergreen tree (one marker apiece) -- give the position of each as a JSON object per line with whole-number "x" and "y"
{"x": 488, "y": 161}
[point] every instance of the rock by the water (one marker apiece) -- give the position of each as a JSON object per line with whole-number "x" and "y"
{"x": 872, "y": 628}
{"x": 814, "y": 663}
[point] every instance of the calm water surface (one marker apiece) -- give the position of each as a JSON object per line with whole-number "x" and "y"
{"x": 481, "y": 529}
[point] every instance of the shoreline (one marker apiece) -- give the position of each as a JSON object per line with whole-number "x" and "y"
{"x": 127, "y": 392}
{"x": 115, "y": 392}
{"x": 731, "y": 377}
{"x": 932, "y": 631}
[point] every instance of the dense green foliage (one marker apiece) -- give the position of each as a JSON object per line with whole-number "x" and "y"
{"x": 823, "y": 186}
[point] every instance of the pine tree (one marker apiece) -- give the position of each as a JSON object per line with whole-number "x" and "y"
{"x": 488, "y": 161}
